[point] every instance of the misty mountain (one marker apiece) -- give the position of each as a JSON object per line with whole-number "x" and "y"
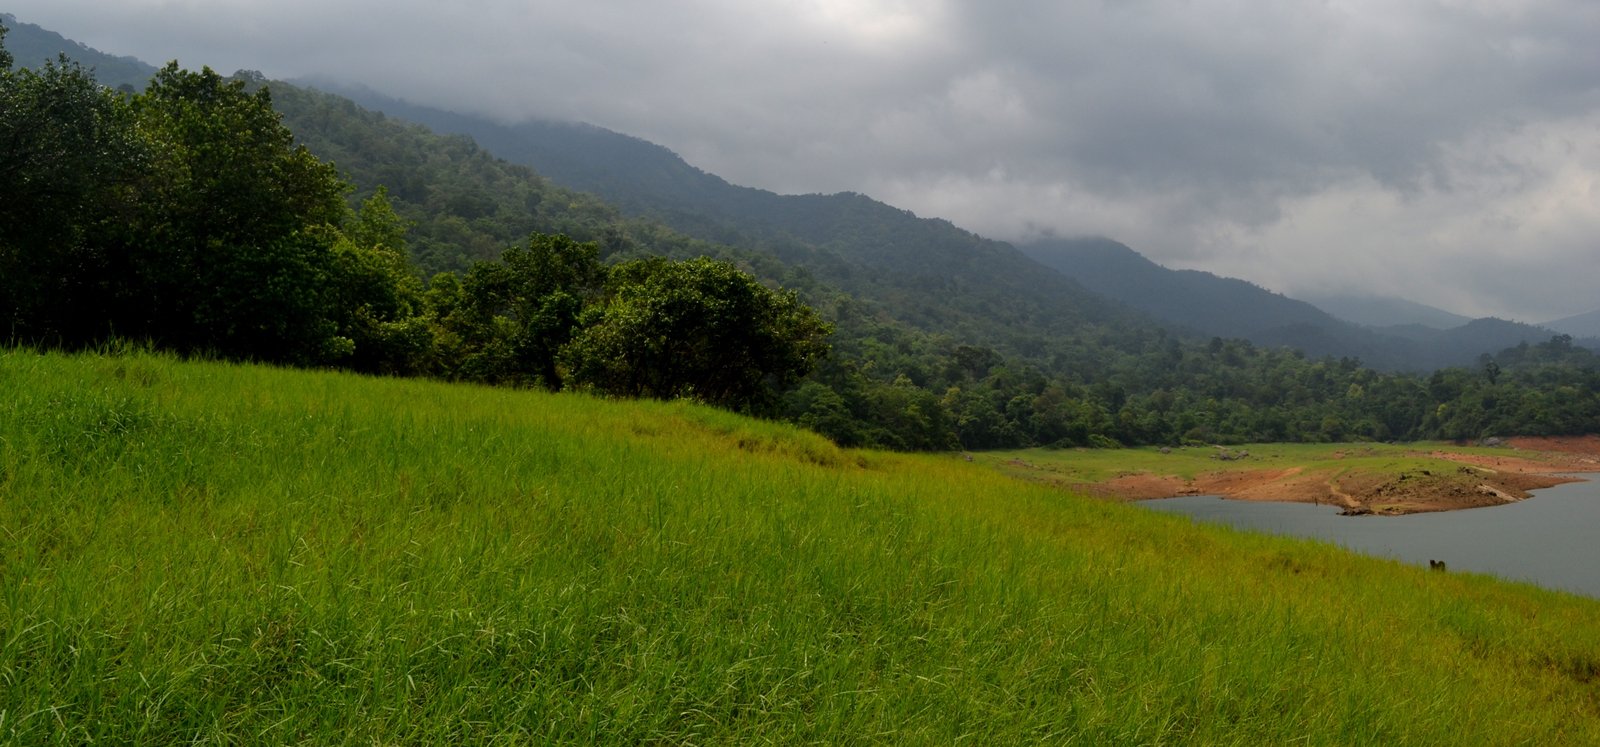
{"x": 1207, "y": 304}
{"x": 840, "y": 237}
{"x": 925, "y": 272}
{"x": 33, "y": 46}
{"x": 940, "y": 278}
{"x": 1228, "y": 307}
{"x": 1383, "y": 311}
{"x": 1586, "y": 325}
{"x": 942, "y": 337}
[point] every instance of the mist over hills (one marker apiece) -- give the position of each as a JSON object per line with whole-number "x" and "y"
{"x": 849, "y": 240}
{"x": 1586, "y": 325}
{"x": 1228, "y": 307}
{"x": 942, "y": 338}
{"x": 32, "y": 45}
{"x": 923, "y": 266}
{"x": 646, "y": 179}
{"x": 1383, "y": 311}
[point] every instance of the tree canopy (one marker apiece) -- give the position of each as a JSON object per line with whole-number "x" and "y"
{"x": 697, "y": 328}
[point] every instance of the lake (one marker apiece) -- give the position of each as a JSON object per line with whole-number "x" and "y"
{"x": 1551, "y": 539}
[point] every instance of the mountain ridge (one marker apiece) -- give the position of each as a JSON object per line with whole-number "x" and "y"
{"x": 1384, "y": 311}
{"x": 34, "y": 45}
{"x": 837, "y": 236}
{"x": 1585, "y": 325}
{"x": 1230, "y": 307}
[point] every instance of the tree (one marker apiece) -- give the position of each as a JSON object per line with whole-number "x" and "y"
{"x": 697, "y": 328}
{"x": 68, "y": 161}
{"x": 507, "y": 321}
{"x": 233, "y": 249}
{"x": 377, "y": 298}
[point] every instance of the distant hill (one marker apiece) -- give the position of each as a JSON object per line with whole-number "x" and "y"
{"x": 1207, "y": 303}
{"x": 32, "y": 46}
{"x": 1227, "y": 307}
{"x": 1383, "y": 311}
{"x": 1586, "y": 325}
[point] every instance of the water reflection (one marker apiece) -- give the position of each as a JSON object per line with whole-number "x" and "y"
{"x": 1552, "y": 539}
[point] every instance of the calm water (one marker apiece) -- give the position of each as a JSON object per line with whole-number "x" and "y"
{"x": 1551, "y": 539}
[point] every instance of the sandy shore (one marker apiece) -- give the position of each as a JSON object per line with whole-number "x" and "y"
{"x": 1474, "y": 480}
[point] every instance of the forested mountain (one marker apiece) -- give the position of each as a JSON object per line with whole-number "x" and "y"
{"x": 458, "y": 264}
{"x": 32, "y": 46}
{"x": 1228, "y": 307}
{"x": 1586, "y": 325}
{"x": 1382, "y": 311}
{"x": 1205, "y": 304}
{"x": 933, "y": 275}
{"x": 644, "y": 179}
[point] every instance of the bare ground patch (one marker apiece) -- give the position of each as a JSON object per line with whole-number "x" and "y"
{"x": 1474, "y": 480}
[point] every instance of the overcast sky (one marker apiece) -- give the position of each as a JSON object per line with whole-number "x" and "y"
{"x": 1446, "y": 151}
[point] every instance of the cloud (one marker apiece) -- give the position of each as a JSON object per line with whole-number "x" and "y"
{"x": 1438, "y": 149}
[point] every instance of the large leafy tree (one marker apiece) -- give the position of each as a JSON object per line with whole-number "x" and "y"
{"x": 234, "y": 245}
{"x": 69, "y": 159}
{"x": 698, "y": 328}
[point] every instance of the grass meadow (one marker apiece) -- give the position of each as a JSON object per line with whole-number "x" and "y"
{"x": 213, "y": 553}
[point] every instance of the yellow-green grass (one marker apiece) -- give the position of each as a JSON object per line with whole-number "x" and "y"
{"x": 235, "y": 554}
{"x": 1089, "y": 466}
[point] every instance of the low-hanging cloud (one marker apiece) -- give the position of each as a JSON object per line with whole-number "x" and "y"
{"x": 1445, "y": 150}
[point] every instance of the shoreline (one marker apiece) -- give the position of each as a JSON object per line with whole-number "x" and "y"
{"x": 1478, "y": 480}
{"x": 1361, "y": 478}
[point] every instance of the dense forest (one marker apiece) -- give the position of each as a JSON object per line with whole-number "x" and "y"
{"x": 244, "y": 219}
{"x": 874, "y": 250}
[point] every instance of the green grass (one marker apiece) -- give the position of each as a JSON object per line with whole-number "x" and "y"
{"x": 197, "y": 552}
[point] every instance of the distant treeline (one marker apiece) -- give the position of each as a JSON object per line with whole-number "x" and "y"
{"x": 186, "y": 216}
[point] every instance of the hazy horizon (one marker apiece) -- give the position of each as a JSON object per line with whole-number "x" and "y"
{"x": 1446, "y": 152}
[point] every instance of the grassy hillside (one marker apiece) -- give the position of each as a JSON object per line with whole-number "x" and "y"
{"x": 200, "y": 551}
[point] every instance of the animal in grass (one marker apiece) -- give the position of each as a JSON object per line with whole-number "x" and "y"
{"x": 1436, "y": 565}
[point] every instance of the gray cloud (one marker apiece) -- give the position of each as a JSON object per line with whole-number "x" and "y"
{"x": 1445, "y": 150}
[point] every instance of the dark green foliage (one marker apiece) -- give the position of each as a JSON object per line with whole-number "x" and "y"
{"x": 507, "y": 320}
{"x": 183, "y": 215}
{"x": 187, "y": 216}
{"x": 233, "y": 246}
{"x": 69, "y": 167}
{"x": 377, "y": 296}
{"x": 697, "y": 328}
